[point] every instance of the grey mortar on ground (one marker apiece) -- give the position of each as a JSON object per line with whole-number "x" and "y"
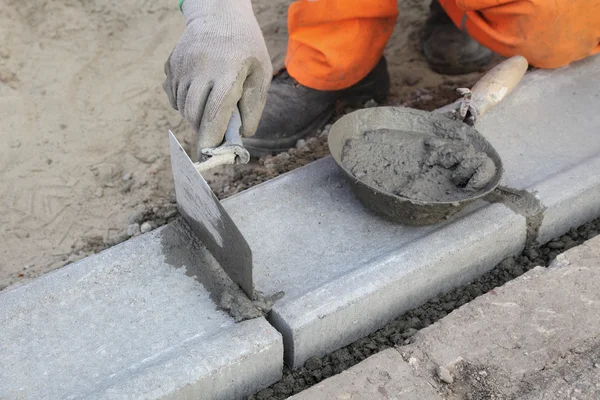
{"x": 417, "y": 166}
{"x": 399, "y": 331}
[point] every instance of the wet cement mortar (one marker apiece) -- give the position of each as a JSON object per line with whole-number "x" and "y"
{"x": 400, "y": 331}
{"x": 417, "y": 166}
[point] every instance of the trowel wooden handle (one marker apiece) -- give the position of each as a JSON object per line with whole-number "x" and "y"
{"x": 496, "y": 84}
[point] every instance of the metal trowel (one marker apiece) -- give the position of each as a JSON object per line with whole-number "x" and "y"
{"x": 203, "y": 211}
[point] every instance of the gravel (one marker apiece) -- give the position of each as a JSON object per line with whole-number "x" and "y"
{"x": 135, "y": 217}
{"x": 371, "y": 103}
{"x": 444, "y": 374}
{"x": 146, "y": 227}
{"x": 306, "y": 151}
{"x": 133, "y": 229}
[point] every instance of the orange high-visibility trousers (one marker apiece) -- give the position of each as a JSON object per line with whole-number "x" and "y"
{"x": 333, "y": 44}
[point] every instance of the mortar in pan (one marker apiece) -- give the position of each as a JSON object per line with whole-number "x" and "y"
{"x": 416, "y": 167}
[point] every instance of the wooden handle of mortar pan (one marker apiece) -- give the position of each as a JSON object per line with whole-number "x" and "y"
{"x": 496, "y": 84}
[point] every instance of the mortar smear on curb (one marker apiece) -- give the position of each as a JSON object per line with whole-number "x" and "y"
{"x": 523, "y": 203}
{"x": 223, "y": 291}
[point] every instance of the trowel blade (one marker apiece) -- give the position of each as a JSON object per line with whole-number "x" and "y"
{"x": 208, "y": 219}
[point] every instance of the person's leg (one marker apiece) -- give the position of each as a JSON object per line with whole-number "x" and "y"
{"x": 549, "y": 34}
{"x": 334, "y": 54}
{"x": 333, "y": 44}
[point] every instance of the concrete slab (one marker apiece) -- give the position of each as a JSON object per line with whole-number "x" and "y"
{"x": 129, "y": 323}
{"x": 382, "y": 376}
{"x": 547, "y": 132}
{"x": 534, "y": 338}
{"x": 347, "y": 272}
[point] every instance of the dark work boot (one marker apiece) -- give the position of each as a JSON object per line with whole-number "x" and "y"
{"x": 294, "y": 111}
{"x": 449, "y": 50}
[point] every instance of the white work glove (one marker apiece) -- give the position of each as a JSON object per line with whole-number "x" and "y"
{"x": 221, "y": 61}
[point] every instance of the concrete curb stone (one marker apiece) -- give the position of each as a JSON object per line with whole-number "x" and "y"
{"x": 129, "y": 323}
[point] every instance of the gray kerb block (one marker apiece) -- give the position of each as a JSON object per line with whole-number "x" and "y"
{"x": 347, "y": 272}
{"x": 547, "y": 132}
{"x": 129, "y": 323}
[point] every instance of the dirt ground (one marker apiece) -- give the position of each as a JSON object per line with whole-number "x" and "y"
{"x": 83, "y": 121}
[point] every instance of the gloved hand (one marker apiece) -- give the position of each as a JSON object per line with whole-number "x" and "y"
{"x": 221, "y": 60}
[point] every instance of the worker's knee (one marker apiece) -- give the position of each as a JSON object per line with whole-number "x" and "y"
{"x": 549, "y": 34}
{"x": 552, "y": 34}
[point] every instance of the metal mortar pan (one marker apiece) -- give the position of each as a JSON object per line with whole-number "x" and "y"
{"x": 488, "y": 91}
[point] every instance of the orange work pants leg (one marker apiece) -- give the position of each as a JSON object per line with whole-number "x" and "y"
{"x": 333, "y": 44}
{"x": 549, "y": 34}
